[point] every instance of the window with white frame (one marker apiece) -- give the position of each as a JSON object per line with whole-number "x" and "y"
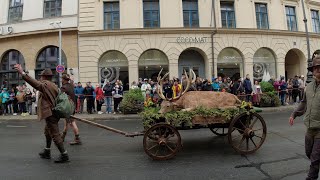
{"x": 315, "y": 21}
{"x": 190, "y": 13}
{"x": 262, "y": 16}
{"x": 228, "y": 18}
{"x": 111, "y": 15}
{"x": 52, "y": 8}
{"x": 15, "y": 11}
{"x": 291, "y": 18}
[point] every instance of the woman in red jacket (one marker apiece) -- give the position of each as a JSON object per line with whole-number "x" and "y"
{"x": 99, "y": 98}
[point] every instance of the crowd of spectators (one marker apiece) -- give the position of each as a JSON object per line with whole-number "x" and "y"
{"x": 20, "y": 100}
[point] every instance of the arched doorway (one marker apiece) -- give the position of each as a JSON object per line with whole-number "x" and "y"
{"x": 49, "y": 58}
{"x": 113, "y": 65}
{"x": 264, "y": 65}
{"x": 8, "y": 77}
{"x": 151, "y": 62}
{"x": 230, "y": 63}
{"x": 294, "y": 63}
{"x": 192, "y": 59}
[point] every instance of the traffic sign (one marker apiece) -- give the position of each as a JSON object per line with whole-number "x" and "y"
{"x": 60, "y": 69}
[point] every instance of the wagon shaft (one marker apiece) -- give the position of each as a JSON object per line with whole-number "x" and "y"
{"x": 127, "y": 134}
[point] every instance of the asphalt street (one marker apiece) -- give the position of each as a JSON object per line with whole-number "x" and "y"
{"x": 105, "y": 155}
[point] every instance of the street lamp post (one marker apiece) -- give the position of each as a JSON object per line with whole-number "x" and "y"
{"x": 58, "y": 23}
{"x": 309, "y": 74}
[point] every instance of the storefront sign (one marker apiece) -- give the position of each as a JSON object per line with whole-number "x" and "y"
{"x": 192, "y": 39}
{"x": 6, "y": 30}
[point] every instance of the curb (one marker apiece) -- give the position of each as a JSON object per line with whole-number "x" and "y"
{"x": 129, "y": 117}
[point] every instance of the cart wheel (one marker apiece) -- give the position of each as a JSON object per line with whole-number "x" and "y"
{"x": 247, "y": 132}
{"x": 162, "y": 141}
{"x": 219, "y": 131}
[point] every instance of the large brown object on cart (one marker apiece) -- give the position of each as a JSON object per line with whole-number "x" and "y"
{"x": 188, "y": 101}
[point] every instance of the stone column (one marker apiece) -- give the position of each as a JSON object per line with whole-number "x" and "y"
{"x": 133, "y": 69}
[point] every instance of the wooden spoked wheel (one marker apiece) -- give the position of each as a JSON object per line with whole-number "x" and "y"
{"x": 219, "y": 131}
{"x": 247, "y": 132}
{"x": 162, "y": 141}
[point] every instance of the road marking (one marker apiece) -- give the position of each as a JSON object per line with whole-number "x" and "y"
{"x": 11, "y": 126}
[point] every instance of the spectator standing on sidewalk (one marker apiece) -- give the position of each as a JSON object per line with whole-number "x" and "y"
{"x": 68, "y": 88}
{"x": 117, "y": 96}
{"x": 134, "y": 85}
{"x": 108, "y": 88}
{"x": 21, "y": 102}
{"x": 256, "y": 93}
{"x": 47, "y": 97}
{"x": 247, "y": 88}
{"x": 99, "y": 98}
{"x": 310, "y": 107}
{"x": 145, "y": 88}
{"x": 302, "y": 85}
{"x": 4, "y": 95}
{"x": 80, "y": 97}
{"x": 88, "y": 93}
{"x": 28, "y": 99}
{"x": 295, "y": 90}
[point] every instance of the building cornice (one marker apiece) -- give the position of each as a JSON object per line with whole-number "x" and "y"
{"x": 39, "y": 19}
{"x": 192, "y": 31}
{"x": 37, "y": 32}
{"x": 313, "y": 2}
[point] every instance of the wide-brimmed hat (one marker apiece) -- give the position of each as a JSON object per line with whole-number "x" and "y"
{"x": 315, "y": 63}
{"x": 46, "y": 72}
{"x": 66, "y": 77}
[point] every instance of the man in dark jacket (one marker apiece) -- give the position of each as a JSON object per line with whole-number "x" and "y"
{"x": 48, "y": 93}
{"x": 79, "y": 91}
{"x": 88, "y": 93}
{"x": 108, "y": 96}
{"x": 247, "y": 88}
{"x": 167, "y": 89}
{"x": 68, "y": 88}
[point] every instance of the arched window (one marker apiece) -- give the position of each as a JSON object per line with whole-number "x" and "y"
{"x": 9, "y": 77}
{"x": 151, "y": 62}
{"x": 48, "y": 58}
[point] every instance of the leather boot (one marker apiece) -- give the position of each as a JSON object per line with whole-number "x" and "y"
{"x": 45, "y": 154}
{"x": 76, "y": 141}
{"x": 63, "y": 158}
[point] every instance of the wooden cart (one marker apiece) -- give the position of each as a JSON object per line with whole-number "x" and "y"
{"x": 246, "y": 134}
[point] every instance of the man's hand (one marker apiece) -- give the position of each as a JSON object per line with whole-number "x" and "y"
{"x": 18, "y": 68}
{"x": 291, "y": 121}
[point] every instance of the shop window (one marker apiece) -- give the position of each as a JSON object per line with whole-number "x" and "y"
{"x": 151, "y": 62}
{"x": 8, "y": 76}
{"x": 52, "y": 8}
{"x": 151, "y": 13}
{"x": 264, "y": 65}
{"x": 230, "y": 63}
{"x": 190, "y": 13}
{"x": 111, "y": 15}
{"x": 262, "y": 16}
{"x": 228, "y": 18}
{"x": 113, "y": 65}
{"x": 291, "y": 18}
{"x": 15, "y": 11}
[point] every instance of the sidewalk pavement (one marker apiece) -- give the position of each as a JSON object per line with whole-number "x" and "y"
{"x": 96, "y": 116}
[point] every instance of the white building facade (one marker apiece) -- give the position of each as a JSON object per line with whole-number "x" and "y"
{"x": 29, "y": 36}
{"x": 129, "y": 39}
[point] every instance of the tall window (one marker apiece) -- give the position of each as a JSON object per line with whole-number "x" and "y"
{"x": 15, "y": 11}
{"x": 151, "y": 13}
{"x": 262, "y": 16}
{"x": 9, "y": 77}
{"x": 52, "y": 8}
{"x": 228, "y": 18}
{"x": 315, "y": 21}
{"x": 111, "y": 15}
{"x": 291, "y": 18}
{"x": 190, "y": 13}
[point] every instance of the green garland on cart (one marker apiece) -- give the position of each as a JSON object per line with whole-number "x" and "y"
{"x": 151, "y": 116}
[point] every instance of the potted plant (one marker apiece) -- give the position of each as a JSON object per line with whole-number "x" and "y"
{"x": 269, "y": 98}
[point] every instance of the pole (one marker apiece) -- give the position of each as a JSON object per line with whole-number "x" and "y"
{"x": 309, "y": 74}
{"x": 60, "y": 46}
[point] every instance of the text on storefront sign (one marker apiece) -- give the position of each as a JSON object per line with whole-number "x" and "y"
{"x": 191, "y": 39}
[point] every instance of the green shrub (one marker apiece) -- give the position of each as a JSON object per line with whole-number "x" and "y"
{"x": 266, "y": 87}
{"x": 132, "y": 101}
{"x": 270, "y": 99}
